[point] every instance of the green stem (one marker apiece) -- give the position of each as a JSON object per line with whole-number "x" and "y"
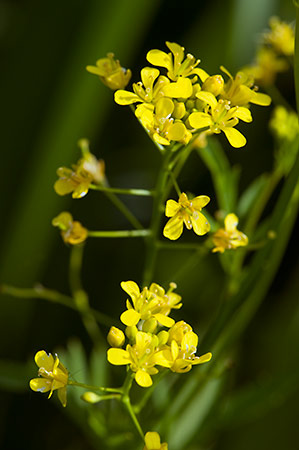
{"x": 80, "y": 296}
{"x": 119, "y": 233}
{"x": 43, "y": 293}
{"x": 138, "y": 192}
{"x": 151, "y": 247}
{"x": 277, "y": 97}
{"x": 124, "y": 210}
{"x": 95, "y": 388}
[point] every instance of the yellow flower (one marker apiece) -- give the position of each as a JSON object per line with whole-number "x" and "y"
{"x": 149, "y": 303}
{"x": 284, "y": 123}
{"x": 141, "y": 357}
{"x": 53, "y": 376}
{"x": 268, "y": 64}
{"x": 186, "y": 212}
{"x": 153, "y": 442}
{"x": 110, "y": 72}
{"x": 229, "y": 237}
{"x": 116, "y": 337}
{"x": 78, "y": 179}
{"x": 181, "y": 354}
{"x": 280, "y": 37}
{"x": 174, "y": 62}
{"x": 219, "y": 116}
{"x": 72, "y": 232}
{"x": 239, "y": 93}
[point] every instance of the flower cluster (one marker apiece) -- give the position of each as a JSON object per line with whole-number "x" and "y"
{"x": 150, "y": 345}
{"x": 187, "y": 101}
{"x": 274, "y": 52}
{"x": 77, "y": 180}
{"x": 52, "y": 376}
{"x": 229, "y": 237}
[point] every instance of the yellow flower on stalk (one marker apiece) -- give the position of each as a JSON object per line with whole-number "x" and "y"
{"x": 174, "y": 62}
{"x": 281, "y": 37}
{"x": 229, "y": 237}
{"x": 72, "y": 232}
{"x": 284, "y": 123}
{"x": 267, "y": 66}
{"x": 52, "y": 376}
{"x": 186, "y": 212}
{"x": 181, "y": 354}
{"x": 110, "y": 72}
{"x": 141, "y": 357}
{"x": 78, "y": 179}
{"x": 150, "y": 303}
{"x": 220, "y": 116}
{"x": 240, "y": 91}
{"x": 153, "y": 442}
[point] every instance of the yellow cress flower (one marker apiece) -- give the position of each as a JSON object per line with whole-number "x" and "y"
{"x": 281, "y": 37}
{"x": 240, "y": 91}
{"x": 181, "y": 354}
{"x": 186, "y": 212}
{"x": 219, "y": 116}
{"x": 78, "y": 179}
{"x": 72, "y": 232}
{"x": 110, "y": 72}
{"x": 116, "y": 337}
{"x": 141, "y": 357}
{"x": 268, "y": 65}
{"x": 153, "y": 442}
{"x": 152, "y": 303}
{"x": 174, "y": 62}
{"x": 284, "y": 123}
{"x": 229, "y": 237}
{"x": 53, "y": 376}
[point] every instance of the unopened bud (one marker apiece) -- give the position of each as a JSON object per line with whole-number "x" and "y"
{"x": 116, "y": 337}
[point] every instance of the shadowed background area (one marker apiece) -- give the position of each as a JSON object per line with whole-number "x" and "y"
{"x": 49, "y": 102}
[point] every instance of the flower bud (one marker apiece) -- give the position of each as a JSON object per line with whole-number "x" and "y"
{"x": 150, "y": 325}
{"x": 116, "y": 337}
{"x": 213, "y": 84}
{"x": 131, "y": 332}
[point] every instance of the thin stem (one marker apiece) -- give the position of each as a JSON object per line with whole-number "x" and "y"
{"x": 119, "y": 233}
{"x": 124, "y": 210}
{"x": 95, "y": 388}
{"x": 43, "y": 293}
{"x": 80, "y": 296}
{"x": 138, "y": 192}
{"x": 277, "y": 97}
{"x": 175, "y": 184}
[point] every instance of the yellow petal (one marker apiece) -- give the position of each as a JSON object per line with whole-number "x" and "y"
{"x": 62, "y": 396}
{"x": 131, "y": 288}
{"x": 164, "y": 107}
{"x": 118, "y": 356}
{"x": 164, "y": 320}
{"x": 176, "y": 131}
{"x": 208, "y": 98}
{"x": 199, "y": 223}
{"x": 152, "y": 440}
{"x": 179, "y": 89}
{"x": 63, "y": 187}
{"x": 200, "y": 201}
{"x": 231, "y": 221}
{"x": 143, "y": 378}
{"x": 44, "y": 360}
{"x": 203, "y": 359}
{"x": 235, "y": 138}
{"x": 122, "y": 97}
{"x": 189, "y": 340}
{"x": 130, "y": 317}
{"x": 160, "y": 140}
{"x": 203, "y": 75}
{"x": 40, "y": 385}
{"x": 174, "y": 350}
{"x": 172, "y": 207}
{"x": 261, "y": 99}
{"x": 174, "y": 228}
{"x": 176, "y": 50}
{"x": 159, "y": 58}
{"x": 200, "y": 120}
{"x": 148, "y": 76}
{"x": 242, "y": 113}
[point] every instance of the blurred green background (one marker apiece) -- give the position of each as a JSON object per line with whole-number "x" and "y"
{"x": 48, "y": 102}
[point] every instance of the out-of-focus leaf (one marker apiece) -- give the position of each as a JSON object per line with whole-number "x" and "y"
{"x": 249, "y": 196}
